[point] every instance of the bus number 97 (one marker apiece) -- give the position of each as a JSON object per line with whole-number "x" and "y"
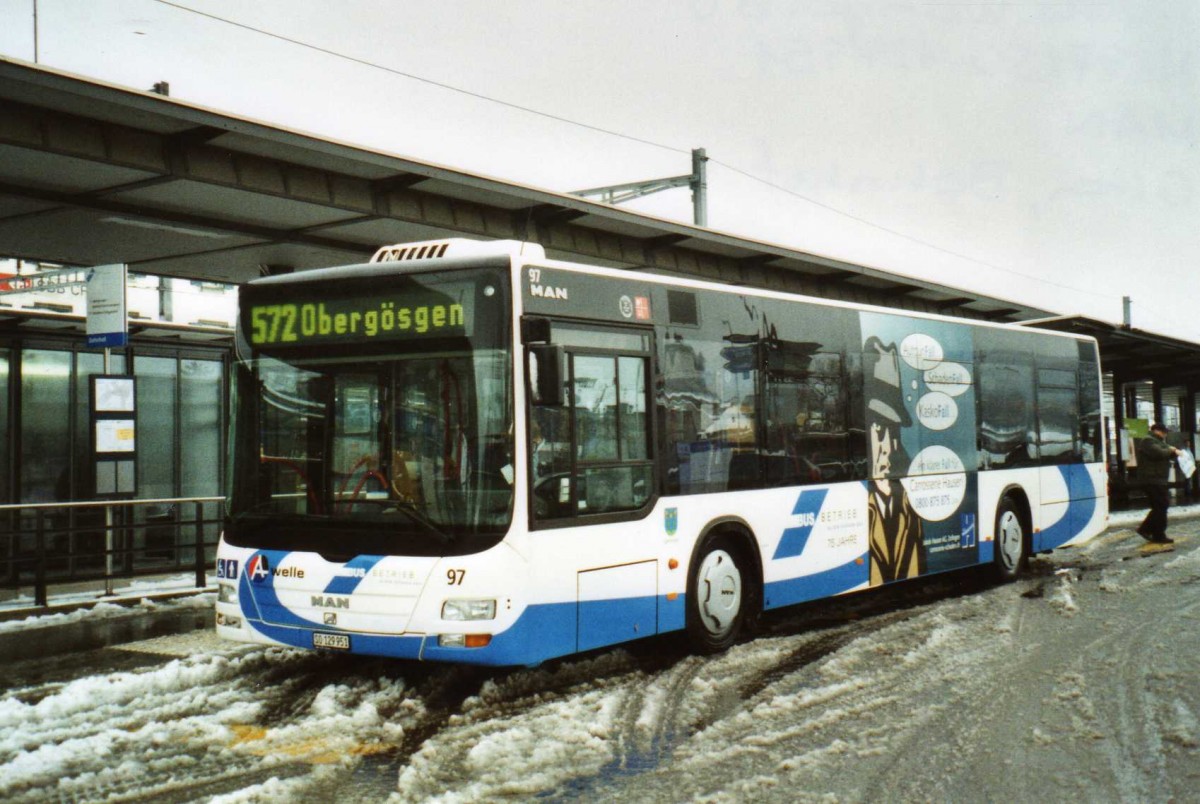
{"x": 454, "y": 577}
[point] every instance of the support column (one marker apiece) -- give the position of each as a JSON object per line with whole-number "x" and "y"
{"x": 1118, "y": 473}
{"x": 699, "y": 183}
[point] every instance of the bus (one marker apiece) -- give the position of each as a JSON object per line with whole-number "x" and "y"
{"x": 463, "y": 451}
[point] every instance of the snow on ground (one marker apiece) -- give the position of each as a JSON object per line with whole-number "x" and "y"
{"x": 1076, "y": 682}
{"x": 233, "y": 714}
{"x": 84, "y": 598}
{"x": 1131, "y": 519}
{"x": 110, "y": 611}
{"x": 1077, "y": 678}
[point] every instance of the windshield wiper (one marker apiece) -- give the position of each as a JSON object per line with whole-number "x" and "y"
{"x": 412, "y": 512}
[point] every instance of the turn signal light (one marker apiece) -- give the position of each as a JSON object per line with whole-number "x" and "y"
{"x": 464, "y": 640}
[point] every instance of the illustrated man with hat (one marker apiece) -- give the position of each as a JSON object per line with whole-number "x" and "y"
{"x": 1154, "y": 458}
{"x": 897, "y": 545}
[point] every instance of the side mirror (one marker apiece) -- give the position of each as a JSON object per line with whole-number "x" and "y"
{"x": 545, "y": 368}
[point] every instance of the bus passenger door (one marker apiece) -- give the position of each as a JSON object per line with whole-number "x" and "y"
{"x": 590, "y": 456}
{"x": 1063, "y": 495}
{"x": 592, "y": 479}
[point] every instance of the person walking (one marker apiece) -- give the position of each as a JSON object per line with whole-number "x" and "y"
{"x": 1154, "y": 457}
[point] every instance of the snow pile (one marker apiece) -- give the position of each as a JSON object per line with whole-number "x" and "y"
{"x": 276, "y": 789}
{"x": 800, "y": 732}
{"x": 67, "y": 741}
{"x": 515, "y": 756}
{"x": 108, "y": 611}
{"x": 1187, "y": 560}
{"x": 1110, "y": 579}
{"x": 1182, "y": 727}
{"x": 191, "y": 721}
{"x": 1062, "y": 597}
{"x": 100, "y": 611}
{"x": 1131, "y": 519}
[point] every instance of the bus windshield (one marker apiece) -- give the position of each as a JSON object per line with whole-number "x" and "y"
{"x": 373, "y": 417}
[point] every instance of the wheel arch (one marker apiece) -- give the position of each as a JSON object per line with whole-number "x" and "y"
{"x": 743, "y": 538}
{"x": 1010, "y": 560}
{"x": 1020, "y": 498}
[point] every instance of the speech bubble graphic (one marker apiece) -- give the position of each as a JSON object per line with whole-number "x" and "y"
{"x": 952, "y": 379}
{"x": 937, "y": 411}
{"x": 937, "y": 483}
{"x": 935, "y": 497}
{"x": 936, "y": 460}
{"x": 921, "y": 351}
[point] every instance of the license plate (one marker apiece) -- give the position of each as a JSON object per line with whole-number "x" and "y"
{"x": 334, "y": 641}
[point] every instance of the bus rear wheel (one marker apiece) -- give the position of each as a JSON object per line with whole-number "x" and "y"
{"x": 719, "y": 595}
{"x": 1011, "y": 542}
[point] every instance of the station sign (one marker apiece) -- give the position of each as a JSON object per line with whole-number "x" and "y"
{"x": 43, "y": 280}
{"x": 107, "y": 325}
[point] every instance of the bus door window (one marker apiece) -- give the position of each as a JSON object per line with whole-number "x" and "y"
{"x": 1089, "y": 404}
{"x": 595, "y": 381}
{"x": 610, "y": 428}
{"x": 1057, "y": 415}
{"x": 592, "y": 455}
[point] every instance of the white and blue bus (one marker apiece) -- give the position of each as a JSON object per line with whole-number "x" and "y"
{"x": 467, "y": 452}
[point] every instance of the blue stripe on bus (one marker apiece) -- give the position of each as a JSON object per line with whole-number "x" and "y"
{"x": 543, "y": 631}
{"x": 672, "y": 614}
{"x": 1081, "y": 506}
{"x": 607, "y": 622}
{"x": 257, "y": 598}
{"x": 345, "y": 585}
{"x": 827, "y": 583}
{"x": 808, "y": 508}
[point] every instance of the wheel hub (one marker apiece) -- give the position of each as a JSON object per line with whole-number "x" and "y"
{"x": 1011, "y": 538}
{"x": 720, "y": 588}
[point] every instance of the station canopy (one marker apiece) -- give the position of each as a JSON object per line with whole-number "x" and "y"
{"x": 1133, "y": 354}
{"x": 93, "y": 173}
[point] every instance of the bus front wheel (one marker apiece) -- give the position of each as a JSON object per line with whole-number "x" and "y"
{"x": 719, "y": 596}
{"x": 1010, "y": 541}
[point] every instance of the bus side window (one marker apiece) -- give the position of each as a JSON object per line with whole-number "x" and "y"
{"x": 1006, "y": 422}
{"x": 807, "y": 431}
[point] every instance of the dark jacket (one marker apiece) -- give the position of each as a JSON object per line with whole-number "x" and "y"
{"x": 1154, "y": 459}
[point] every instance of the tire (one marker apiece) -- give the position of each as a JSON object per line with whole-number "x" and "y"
{"x": 720, "y": 595}
{"x": 1012, "y": 542}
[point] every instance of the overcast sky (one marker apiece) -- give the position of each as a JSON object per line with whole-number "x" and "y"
{"x": 1044, "y": 152}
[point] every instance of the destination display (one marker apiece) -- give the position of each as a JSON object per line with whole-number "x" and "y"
{"x": 364, "y": 318}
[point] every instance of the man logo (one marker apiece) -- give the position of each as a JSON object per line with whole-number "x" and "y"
{"x": 330, "y": 618}
{"x": 259, "y": 569}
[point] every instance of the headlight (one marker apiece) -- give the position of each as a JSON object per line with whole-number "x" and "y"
{"x": 226, "y": 593}
{"x": 469, "y": 610}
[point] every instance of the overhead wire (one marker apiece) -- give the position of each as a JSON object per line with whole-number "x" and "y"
{"x": 621, "y": 135}
{"x": 421, "y": 79}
